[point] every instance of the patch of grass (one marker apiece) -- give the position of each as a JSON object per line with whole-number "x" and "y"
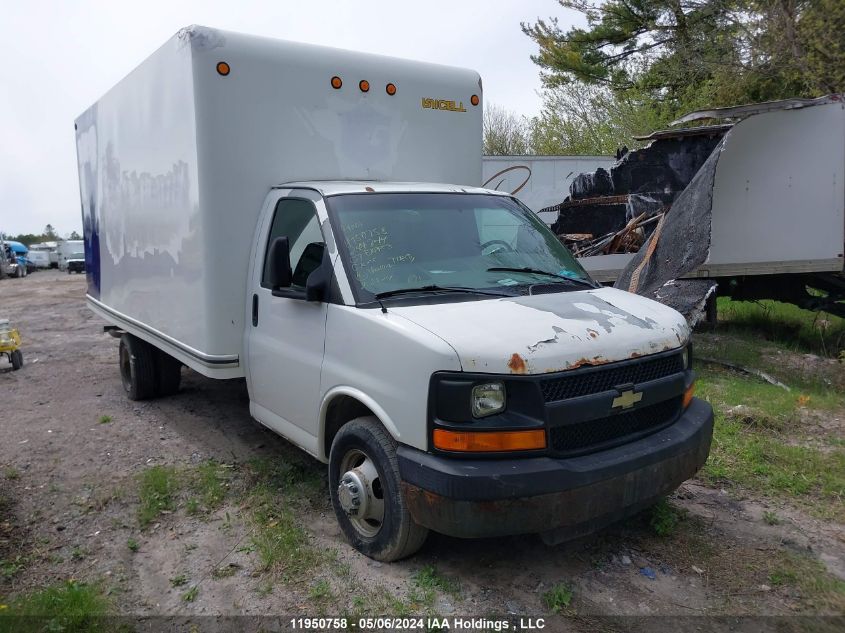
{"x": 158, "y": 487}
{"x": 289, "y": 476}
{"x": 133, "y": 545}
{"x": 281, "y": 543}
{"x": 664, "y": 518}
{"x": 430, "y": 578}
{"x": 9, "y": 568}
{"x": 558, "y": 598}
{"x": 816, "y": 332}
{"x": 77, "y": 553}
{"x": 104, "y": 419}
{"x": 427, "y": 582}
{"x": 818, "y": 588}
{"x": 179, "y": 581}
{"x": 768, "y": 405}
{"x": 770, "y": 518}
{"x": 321, "y": 591}
{"x": 764, "y": 463}
{"x": 11, "y": 473}
{"x": 210, "y": 482}
{"x": 69, "y": 606}
{"x": 191, "y": 594}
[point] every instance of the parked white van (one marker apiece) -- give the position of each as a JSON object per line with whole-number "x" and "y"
{"x": 433, "y": 343}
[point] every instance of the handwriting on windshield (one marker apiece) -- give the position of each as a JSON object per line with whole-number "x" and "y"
{"x": 372, "y": 253}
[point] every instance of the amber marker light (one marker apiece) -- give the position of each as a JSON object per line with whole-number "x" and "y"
{"x": 223, "y": 68}
{"x": 688, "y": 394}
{"x": 364, "y": 85}
{"x": 336, "y": 82}
{"x": 391, "y": 89}
{"x": 474, "y": 100}
{"x": 489, "y": 441}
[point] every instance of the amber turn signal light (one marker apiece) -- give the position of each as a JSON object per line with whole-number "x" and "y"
{"x": 489, "y": 441}
{"x": 364, "y": 85}
{"x": 391, "y": 89}
{"x": 223, "y": 68}
{"x": 688, "y": 394}
{"x": 474, "y": 100}
{"x": 336, "y": 82}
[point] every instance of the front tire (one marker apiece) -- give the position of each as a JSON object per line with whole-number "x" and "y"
{"x": 17, "y": 359}
{"x": 366, "y": 495}
{"x": 137, "y": 367}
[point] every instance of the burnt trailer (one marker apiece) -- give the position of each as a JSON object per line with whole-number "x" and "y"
{"x": 753, "y": 205}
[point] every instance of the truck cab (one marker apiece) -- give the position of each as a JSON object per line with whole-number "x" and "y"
{"x": 457, "y": 368}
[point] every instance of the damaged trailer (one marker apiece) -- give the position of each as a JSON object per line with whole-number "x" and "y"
{"x": 753, "y": 206}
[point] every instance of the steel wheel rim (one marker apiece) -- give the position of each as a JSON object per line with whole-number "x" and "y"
{"x": 358, "y": 468}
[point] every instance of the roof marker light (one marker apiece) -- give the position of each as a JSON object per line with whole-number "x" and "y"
{"x": 364, "y": 85}
{"x": 336, "y": 82}
{"x": 474, "y": 100}
{"x": 223, "y": 68}
{"x": 391, "y": 89}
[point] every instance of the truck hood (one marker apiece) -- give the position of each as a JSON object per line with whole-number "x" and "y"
{"x": 551, "y": 332}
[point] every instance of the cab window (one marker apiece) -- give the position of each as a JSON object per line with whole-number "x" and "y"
{"x": 296, "y": 219}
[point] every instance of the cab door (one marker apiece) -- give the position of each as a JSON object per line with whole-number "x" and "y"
{"x": 286, "y": 334}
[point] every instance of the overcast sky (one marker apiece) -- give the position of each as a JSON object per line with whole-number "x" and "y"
{"x": 57, "y": 58}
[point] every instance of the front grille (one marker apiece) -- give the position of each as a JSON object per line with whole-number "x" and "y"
{"x": 586, "y": 382}
{"x": 615, "y": 429}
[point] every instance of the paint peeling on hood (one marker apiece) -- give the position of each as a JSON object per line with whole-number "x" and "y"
{"x": 551, "y": 332}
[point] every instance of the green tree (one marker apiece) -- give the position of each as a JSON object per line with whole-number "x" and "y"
{"x": 50, "y": 233}
{"x": 638, "y": 64}
{"x": 74, "y": 236}
{"x": 504, "y": 133}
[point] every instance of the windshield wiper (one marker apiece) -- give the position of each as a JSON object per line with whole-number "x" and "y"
{"x": 432, "y": 288}
{"x": 537, "y": 271}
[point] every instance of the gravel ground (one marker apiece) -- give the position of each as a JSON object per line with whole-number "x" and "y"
{"x": 71, "y": 489}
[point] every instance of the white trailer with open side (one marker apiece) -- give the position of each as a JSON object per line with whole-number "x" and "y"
{"x": 433, "y": 343}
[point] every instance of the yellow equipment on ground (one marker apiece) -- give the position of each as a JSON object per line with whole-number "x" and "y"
{"x": 10, "y": 344}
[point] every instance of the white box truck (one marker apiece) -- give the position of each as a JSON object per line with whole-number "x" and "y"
{"x": 261, "y": 209}
{"x": 71, "y": 255}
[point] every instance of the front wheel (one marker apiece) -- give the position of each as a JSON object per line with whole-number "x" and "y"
{"x": 366, "y": 495}
{"x": 17, "y": 359}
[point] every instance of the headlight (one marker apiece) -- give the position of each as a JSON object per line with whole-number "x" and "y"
{"x": 487, "y": 399}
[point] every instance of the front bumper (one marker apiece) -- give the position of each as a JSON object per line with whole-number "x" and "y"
{"x": 77, "y": 267}
{"x": 564, "y": 497}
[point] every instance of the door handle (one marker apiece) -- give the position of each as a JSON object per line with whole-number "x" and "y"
{"x": 254, "y": 310}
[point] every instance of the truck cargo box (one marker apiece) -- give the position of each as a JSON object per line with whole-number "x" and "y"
{"x": 175, "y": 161}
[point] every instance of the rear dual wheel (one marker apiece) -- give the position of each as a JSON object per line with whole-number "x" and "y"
{"x": 366, "y": 496}
{"x": 145, "y": 371}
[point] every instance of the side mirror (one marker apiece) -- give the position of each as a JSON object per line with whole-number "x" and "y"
{"x": 280, "y": 275}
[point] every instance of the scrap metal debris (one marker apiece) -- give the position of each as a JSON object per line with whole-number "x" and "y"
{"x": 655, "y": 202}
{"x": 616, "y": 211}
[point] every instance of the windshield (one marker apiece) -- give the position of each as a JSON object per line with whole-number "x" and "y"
{"x": 77, "y": 256}
{"x": 395, "y": 241}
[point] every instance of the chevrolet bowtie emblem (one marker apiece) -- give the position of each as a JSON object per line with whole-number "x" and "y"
{"x": 627, "y": 399}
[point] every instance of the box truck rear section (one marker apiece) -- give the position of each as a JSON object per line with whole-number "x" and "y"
{"x": 176, "y": 160}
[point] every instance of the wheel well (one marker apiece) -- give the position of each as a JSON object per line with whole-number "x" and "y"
{"x": 341, "y": 410}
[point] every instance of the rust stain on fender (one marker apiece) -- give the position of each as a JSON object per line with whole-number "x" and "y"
{"x": 517, "y": 364}
{"x": 592, "y": 333}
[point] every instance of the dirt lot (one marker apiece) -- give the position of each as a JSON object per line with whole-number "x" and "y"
{"x": 243, "y": 524}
